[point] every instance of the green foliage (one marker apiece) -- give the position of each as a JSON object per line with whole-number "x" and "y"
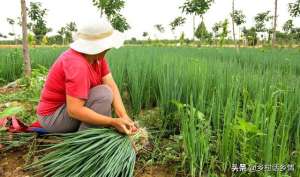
{"x": 160, "y": 28}
{"x": 31, "y": 87}
{"x": 216, "y": 29}
{"x": 261, "y": 19}
{"x": 119, "y": 22}
{"x": 31, "y": 39}
{"x": 294, "y": 8}
{"x": 69, "y": 29}
{"x": 220, "y": 30}
{"x": 288, "y": 26}
{"x": 10, "y": 111}
{"x": 145, "y": 34}
{"x": 112, "y": 8}
{"x": 178, "y": 21}
{"x": 103, "y": 151}
{"x": 34, "y": 84}
{"x": 195, "y": 130}
{"x": 44, "y": 40}
{"x": 201, "y": 33}
{"x": 238, "y": 17}
{"x": 224, "y": 32}
{"x": 181, "y": 38}
{"x": 11, "y": 22}
{"x": 38, "y": 25}
{"x": 246, "y": 131}
{"x": 109, "y": 7}
{"x": 3, "y": 36}
{"x": 64, "y": 34}
{"x": 250, "y": 35}
{"x": 196, "y": 7}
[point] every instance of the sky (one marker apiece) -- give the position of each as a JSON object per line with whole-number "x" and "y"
{"x": 142, "y": 15}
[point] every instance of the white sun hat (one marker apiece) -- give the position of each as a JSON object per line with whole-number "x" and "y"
{"x": 95, "y": 36}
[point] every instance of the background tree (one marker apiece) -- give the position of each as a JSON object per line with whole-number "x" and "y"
{"x": 220, "y": 30}
{"x": 182, "y": 38}
{"x": 112, "y": 8}
{"x": 178, "y": 21}
{"x": 37, "y": 16}
{"x": 3, "y": 36}
{"x": 216, "y": 30}
{"x": 294, "y": 8}
{"x": 27, "y": 62}
{"x": 288, "y": 26}
{"x": 119, "y": 22}
{"x": 159, "y": 28}
{"x": 225, "y": 32}
{"x": 61, "y": 32}
{"x": 202, "y": 34}
{"x": 261, "y": 20}
{"x": 12, "y": 22}
{"x": 145, "y": 34}
{"x": 69, "y": 29}
{"x": 196, "y": 7}
{"x": 238, "y": 18}
{"x": 45, "y": 40}
{"x": 65, "y": 34}
{"x": 274, "y": 23}
{"x": 31, "y": 39}
{"x": 250, "y": 36}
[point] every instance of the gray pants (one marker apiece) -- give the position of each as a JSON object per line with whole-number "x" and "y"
{"x": 99, "y": 99}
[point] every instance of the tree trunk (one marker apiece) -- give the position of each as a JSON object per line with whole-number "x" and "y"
{"x": 233, "y": 27}
{"x": 193, "y": 27}
{"x": 27, "y": 63}
{"x": 275, "y": 24}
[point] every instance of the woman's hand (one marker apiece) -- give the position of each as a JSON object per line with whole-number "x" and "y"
{"x": 123, "y": 125}
{"x": 134, "y": 127}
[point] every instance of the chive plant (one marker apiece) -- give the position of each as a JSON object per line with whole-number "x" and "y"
{"x": 93, "y": 152}
{"x": 255, "y": 88}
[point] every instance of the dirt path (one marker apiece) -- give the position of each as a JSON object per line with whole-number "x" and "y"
{"x": 11, "y": 164}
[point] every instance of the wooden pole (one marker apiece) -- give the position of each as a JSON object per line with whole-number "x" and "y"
{"x": 275, "y": 24}
{"x": 27, "y": 63}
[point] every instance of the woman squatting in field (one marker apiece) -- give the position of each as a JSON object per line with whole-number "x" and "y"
{"x": 80, "y": 90}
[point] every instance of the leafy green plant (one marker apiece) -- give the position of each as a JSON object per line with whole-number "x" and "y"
{"x": 195, "y": 131}
{"x": 10, "y": 111}
{"x": 246, "y": 131}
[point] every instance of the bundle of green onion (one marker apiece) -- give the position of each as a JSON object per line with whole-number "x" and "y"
{"x": 9, "y": 141}
{"x": 93, "y": 152}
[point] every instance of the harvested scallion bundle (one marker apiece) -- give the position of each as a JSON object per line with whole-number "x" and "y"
{"x": 93, "y": 152}
{"x": 9, "y": 141}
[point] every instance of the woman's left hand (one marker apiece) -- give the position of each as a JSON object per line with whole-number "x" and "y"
{"x": 134, "y": 128}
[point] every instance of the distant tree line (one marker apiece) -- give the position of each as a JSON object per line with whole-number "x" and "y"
{"x": 263, "y": 32}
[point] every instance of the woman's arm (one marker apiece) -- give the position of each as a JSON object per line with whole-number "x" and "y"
{"x": 117, "y": 100}
{"x": 77, "y": 110}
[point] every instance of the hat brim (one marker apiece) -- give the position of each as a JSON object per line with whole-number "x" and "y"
{"x": 92, "y": 47}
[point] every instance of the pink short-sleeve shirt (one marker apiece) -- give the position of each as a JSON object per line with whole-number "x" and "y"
{"x": 72, "y": 75}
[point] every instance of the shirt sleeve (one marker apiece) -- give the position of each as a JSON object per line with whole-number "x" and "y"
{"x": 104, "y": 67}
{"x": 76, "y": 79}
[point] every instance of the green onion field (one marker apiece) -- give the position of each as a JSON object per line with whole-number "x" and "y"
{"x": 224, "y": 108}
